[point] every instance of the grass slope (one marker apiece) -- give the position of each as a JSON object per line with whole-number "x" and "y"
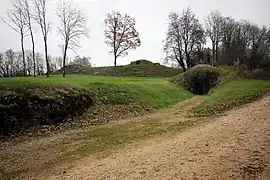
{"x": 232, "y": 94}
{"x": 153, "y": 92}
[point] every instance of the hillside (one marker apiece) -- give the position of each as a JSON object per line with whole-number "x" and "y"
{"x": 30, "y": 102}
{"x": 140, "y": 68}
{"x": 86, "y": 116}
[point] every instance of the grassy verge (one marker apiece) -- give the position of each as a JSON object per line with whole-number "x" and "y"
{"x": 231, "y": 94}
{"x": 153, "y": 92}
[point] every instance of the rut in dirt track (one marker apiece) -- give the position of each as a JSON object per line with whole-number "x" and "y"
{"x": 235, "y": 146}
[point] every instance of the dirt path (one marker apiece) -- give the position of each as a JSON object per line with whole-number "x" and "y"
{"x": 236, "y": 146}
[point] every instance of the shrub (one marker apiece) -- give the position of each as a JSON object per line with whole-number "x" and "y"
{"x": 201, "y": 79}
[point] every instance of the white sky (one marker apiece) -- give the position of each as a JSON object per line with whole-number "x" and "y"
{"x": 151, "y": 16}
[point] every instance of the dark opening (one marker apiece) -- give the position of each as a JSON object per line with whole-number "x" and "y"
{"x": 203, "y": 82}
{"x": 202, "y": 87}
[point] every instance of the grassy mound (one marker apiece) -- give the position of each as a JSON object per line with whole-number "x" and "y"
{"x": 199, "y": 79}
{"x": 140, "y": 68}
{"x": 43, "y": 100}
{"x": 22, "y": 108}
{"x": 232, "y": 94}
{"x": 153, "y": 92}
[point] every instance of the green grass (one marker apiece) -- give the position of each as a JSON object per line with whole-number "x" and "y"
{"x": 232, "y": 94}
{"x": 153, "y": 92}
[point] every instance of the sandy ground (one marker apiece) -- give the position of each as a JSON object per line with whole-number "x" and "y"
{"x": 235, "y": 146}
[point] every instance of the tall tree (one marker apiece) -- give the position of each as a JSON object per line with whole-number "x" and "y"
{"x": 120, "y": 34}
{"x": 192, "y": 34}
{"x": 173, "y": 46}
{"x": 229, "y": 32}
{"x": 213, "y": 24}
{"x": 15, "y": 19}
{"x": 71, "y": 28}
{"x": 41, "y": 19}
{"x": 28, "y": 15}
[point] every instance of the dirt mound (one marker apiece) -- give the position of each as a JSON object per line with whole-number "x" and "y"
{"x": 24, "y": 108}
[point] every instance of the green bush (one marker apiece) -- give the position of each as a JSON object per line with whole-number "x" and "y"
{"x": 201, "y": 79}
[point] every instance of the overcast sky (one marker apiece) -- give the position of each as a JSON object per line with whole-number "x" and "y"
{"x": 151, "y": 16}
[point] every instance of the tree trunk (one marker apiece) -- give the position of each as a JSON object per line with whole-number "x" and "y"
{"x": 213, "y": 53}
{"x": 64, "y": 60}
{"x": 181, "y": 60}
{"x": 33, "y": 50}
{"x": 181, "y": 63}
{"x": 216, "y": 53}
{"x": 115, "y": 57}
{"x": 46, "y": 57}
{"x": 187, "y": 57}
{"x": 189, "y": 64}
{"x": 23, "y": 54}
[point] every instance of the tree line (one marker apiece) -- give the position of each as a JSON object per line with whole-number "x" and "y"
{"x": 11, "y": 63}
{"x": 23, "y": 15}
{"x": 230, "y": 40}
{"x": 185, "y": 43}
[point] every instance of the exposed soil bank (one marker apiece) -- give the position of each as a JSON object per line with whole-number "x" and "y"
{"x": 24, "y": 108}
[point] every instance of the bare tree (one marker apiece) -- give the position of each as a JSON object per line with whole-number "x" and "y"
{"x": 173, "y": 46}
{"x": 2, "y": 69}
{"x": 229, "y": 34}
{"x": 213, "y": 25}
{"x": 41, "y": 19}
{"x": 39, "y": 64}
{"x": 120, "y": 34}
{"x": 15, "y": 19}
{"x": 28, "y": 20}
{"x": 82, "y": 61}
{"x": 53, "y": 63}
{"x": 29, "y": 62}
{"x": 59, "y": 62}
{"x": 72, "y": 27}
{"x": 10, "y": 62}
{"x": 192, "y": 34}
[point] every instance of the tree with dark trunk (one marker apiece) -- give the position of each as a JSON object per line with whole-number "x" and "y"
{"x": 213, "y": 24}
{"x": 71, "y": 28}
{"x": 173, "y": 46}
{"x": 28, "y": 19}
{"x": 41, "y": 18}
{"x": 120, "y": 34}
{"x": 15, "y": 19}
{"x": 192, "y": 34}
